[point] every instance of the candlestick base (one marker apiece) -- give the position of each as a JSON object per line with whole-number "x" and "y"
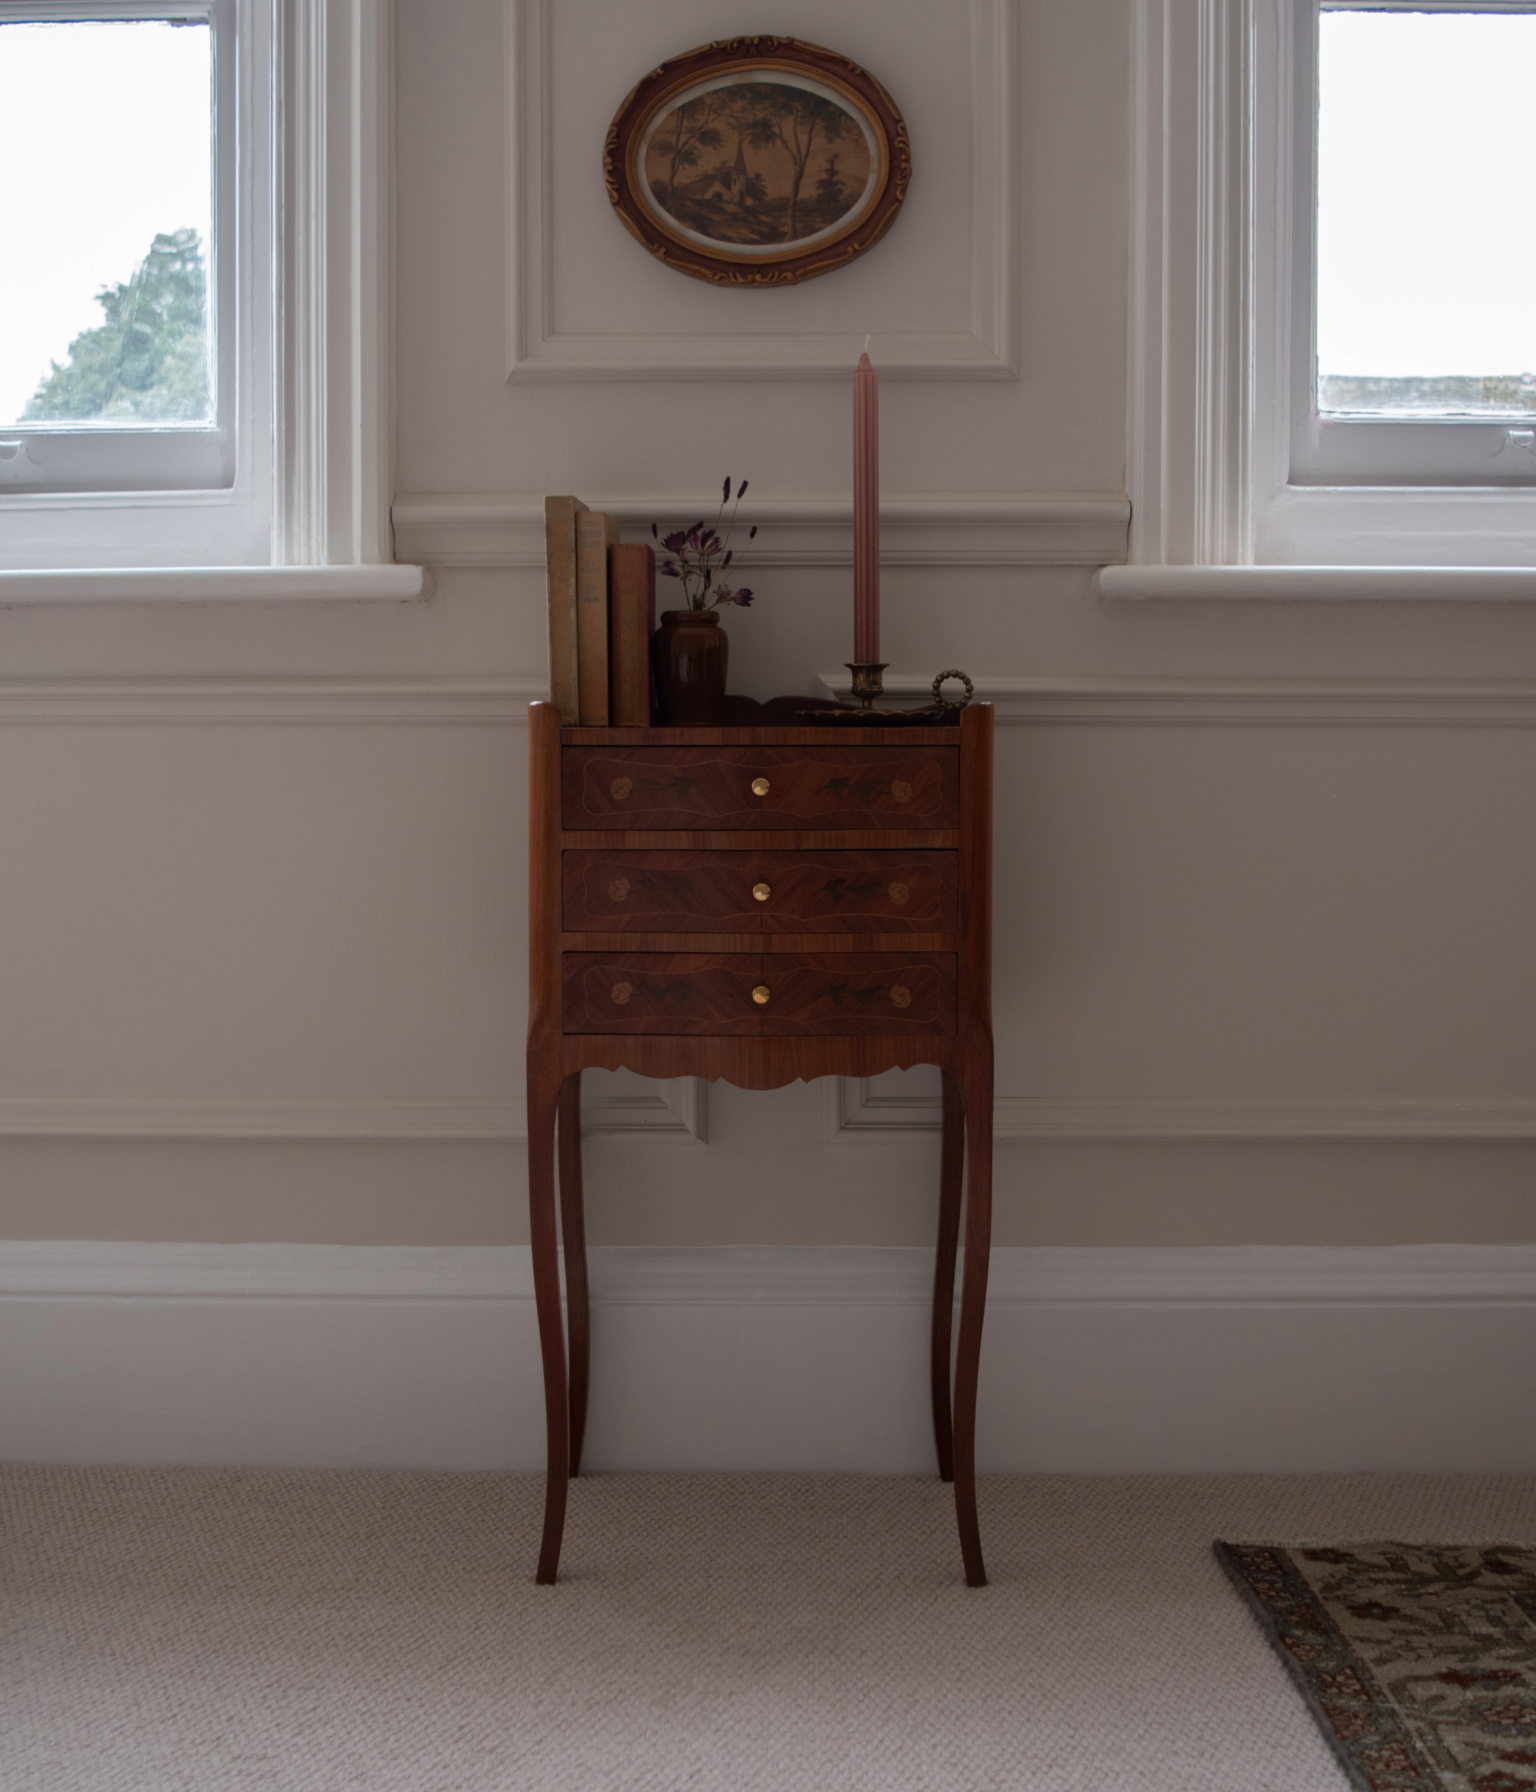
{"x": 868, "y": 680}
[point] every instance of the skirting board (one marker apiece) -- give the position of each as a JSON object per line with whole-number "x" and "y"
{"x": 1216, "y": 1359}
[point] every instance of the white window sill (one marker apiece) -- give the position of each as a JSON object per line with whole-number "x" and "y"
{"x": 214, "y": 584}
{"x": 1329, "y": 584}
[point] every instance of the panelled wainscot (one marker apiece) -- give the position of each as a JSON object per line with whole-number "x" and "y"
{"x": 762, "y": 905}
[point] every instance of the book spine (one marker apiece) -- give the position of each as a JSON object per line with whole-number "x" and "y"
{"x": 632, "y": 618}
{"x": 595, "y": 534}
{"x": 560, "y": 582}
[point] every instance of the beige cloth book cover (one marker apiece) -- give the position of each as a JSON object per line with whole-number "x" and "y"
{"x": 596, "y": 532}
{"x": 560, "y": 575}
{"x": 632, "y": 621}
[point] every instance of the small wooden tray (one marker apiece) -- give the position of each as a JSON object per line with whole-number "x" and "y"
{"x": 827, "y": 712}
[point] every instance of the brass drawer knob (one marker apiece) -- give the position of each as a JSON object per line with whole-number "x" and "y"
{"x": 901, "y": 996}
{"x": 619, "y": 789}
{"x": 622, "y": 992}
{"x": 760, "y": 787}
{"x": 760, "y": 994}
{"x": 761, "y": 892}
{"x": 899, "y": 893}
{"x": 618, "y": 889}
{"x": 901, "y": 790}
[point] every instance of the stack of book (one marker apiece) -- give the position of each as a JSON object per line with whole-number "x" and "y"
{"x": 602, "y": 613}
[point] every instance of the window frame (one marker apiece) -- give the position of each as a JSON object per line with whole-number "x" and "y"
{"x": 90, "y": 457}
{"x": 1211, "y": 303}
{"x": 313, "y": 436}
{"x": 1342, "y": 450}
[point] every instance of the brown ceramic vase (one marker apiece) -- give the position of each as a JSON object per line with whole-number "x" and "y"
{"x": 688, "y": 655}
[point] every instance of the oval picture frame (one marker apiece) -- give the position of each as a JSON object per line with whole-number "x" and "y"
{"x": 757, "y": 161}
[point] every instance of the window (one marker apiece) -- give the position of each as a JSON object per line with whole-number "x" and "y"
{"x": 111, "y": 375}
{"x": 194, "y": 366}
{"x": 1332, "y": 332}
{"x": 1414, "y": 328}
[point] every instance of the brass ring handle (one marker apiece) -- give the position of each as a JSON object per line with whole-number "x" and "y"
{"x": 760, "y": 994}
{"x": 759, "y": 787}
{"x": 761, "y": 892}
{"x": 946, "y": 702}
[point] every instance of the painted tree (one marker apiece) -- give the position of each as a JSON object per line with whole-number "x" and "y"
{"x": 829, "y": 184}
{"x": 793, "y": 117}
{"x": 149, "y": 360}
{"x": 694, "y": 126}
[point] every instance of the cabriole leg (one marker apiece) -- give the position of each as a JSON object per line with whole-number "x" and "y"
{"x": 573, "y": 1226}
{"x": 951, "y": 1173}
{"x": 976, "y": 1084}
{"x": 543, "y": 1099}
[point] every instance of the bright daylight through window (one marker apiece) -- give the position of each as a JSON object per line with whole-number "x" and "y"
{"x": 1426, "y": 197}
{"x": 107, "y": 319}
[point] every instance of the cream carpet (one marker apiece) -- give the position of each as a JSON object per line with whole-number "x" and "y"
{"x": 203, "y": 1630}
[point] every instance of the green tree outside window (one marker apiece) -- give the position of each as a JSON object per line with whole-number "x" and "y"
{"x": 149, "y": 361}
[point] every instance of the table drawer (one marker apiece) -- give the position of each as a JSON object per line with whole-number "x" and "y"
{"x": 760, "y": 787}
{"x": 748, "y": 993}
{"x": 761, "y": 892}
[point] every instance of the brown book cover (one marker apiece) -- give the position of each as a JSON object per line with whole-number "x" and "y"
{"x": 560, "y": 574}
{"x": 595, "y": 534}
{"x": 631, "y": 623}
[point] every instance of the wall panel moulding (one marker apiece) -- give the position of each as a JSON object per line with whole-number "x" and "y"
{"x": 938, "y": 296}
{"x": 916, "y": 529}
{"x": 859, "y": 1110}
{"x": 676, "y": 1109}
{"x": 1237, "y": 702}
{"x": 215, "y": 702}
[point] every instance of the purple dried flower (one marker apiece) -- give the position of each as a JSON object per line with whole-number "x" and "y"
{"x": 698, "y": 556}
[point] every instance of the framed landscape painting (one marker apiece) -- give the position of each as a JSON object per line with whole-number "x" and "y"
{"x": 758, "y": 161}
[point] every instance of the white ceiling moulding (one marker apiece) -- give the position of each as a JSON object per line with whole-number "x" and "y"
{"x": 213, "y": 585}
{"x": 304, "y": 701}
{"x": 916, "y": 529}
{"x": 1233, "y": 702}
{"x": 982, "y": 347}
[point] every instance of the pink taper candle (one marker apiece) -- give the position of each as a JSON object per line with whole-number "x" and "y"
{"x": 866, "y": 513}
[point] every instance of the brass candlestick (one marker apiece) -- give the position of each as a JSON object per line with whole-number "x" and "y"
{"x": 868, "y": 682}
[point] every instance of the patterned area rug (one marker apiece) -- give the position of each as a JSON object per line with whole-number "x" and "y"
{"x": 1417, "y": 1660}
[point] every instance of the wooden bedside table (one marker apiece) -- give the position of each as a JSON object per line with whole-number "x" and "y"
{"x": 762, "y": 905}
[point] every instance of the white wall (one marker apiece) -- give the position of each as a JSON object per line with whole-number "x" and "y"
{"x": 1264, "y": 967}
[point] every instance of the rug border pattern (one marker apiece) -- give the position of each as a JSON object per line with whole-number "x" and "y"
{"x": 1295, "y": 1626}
